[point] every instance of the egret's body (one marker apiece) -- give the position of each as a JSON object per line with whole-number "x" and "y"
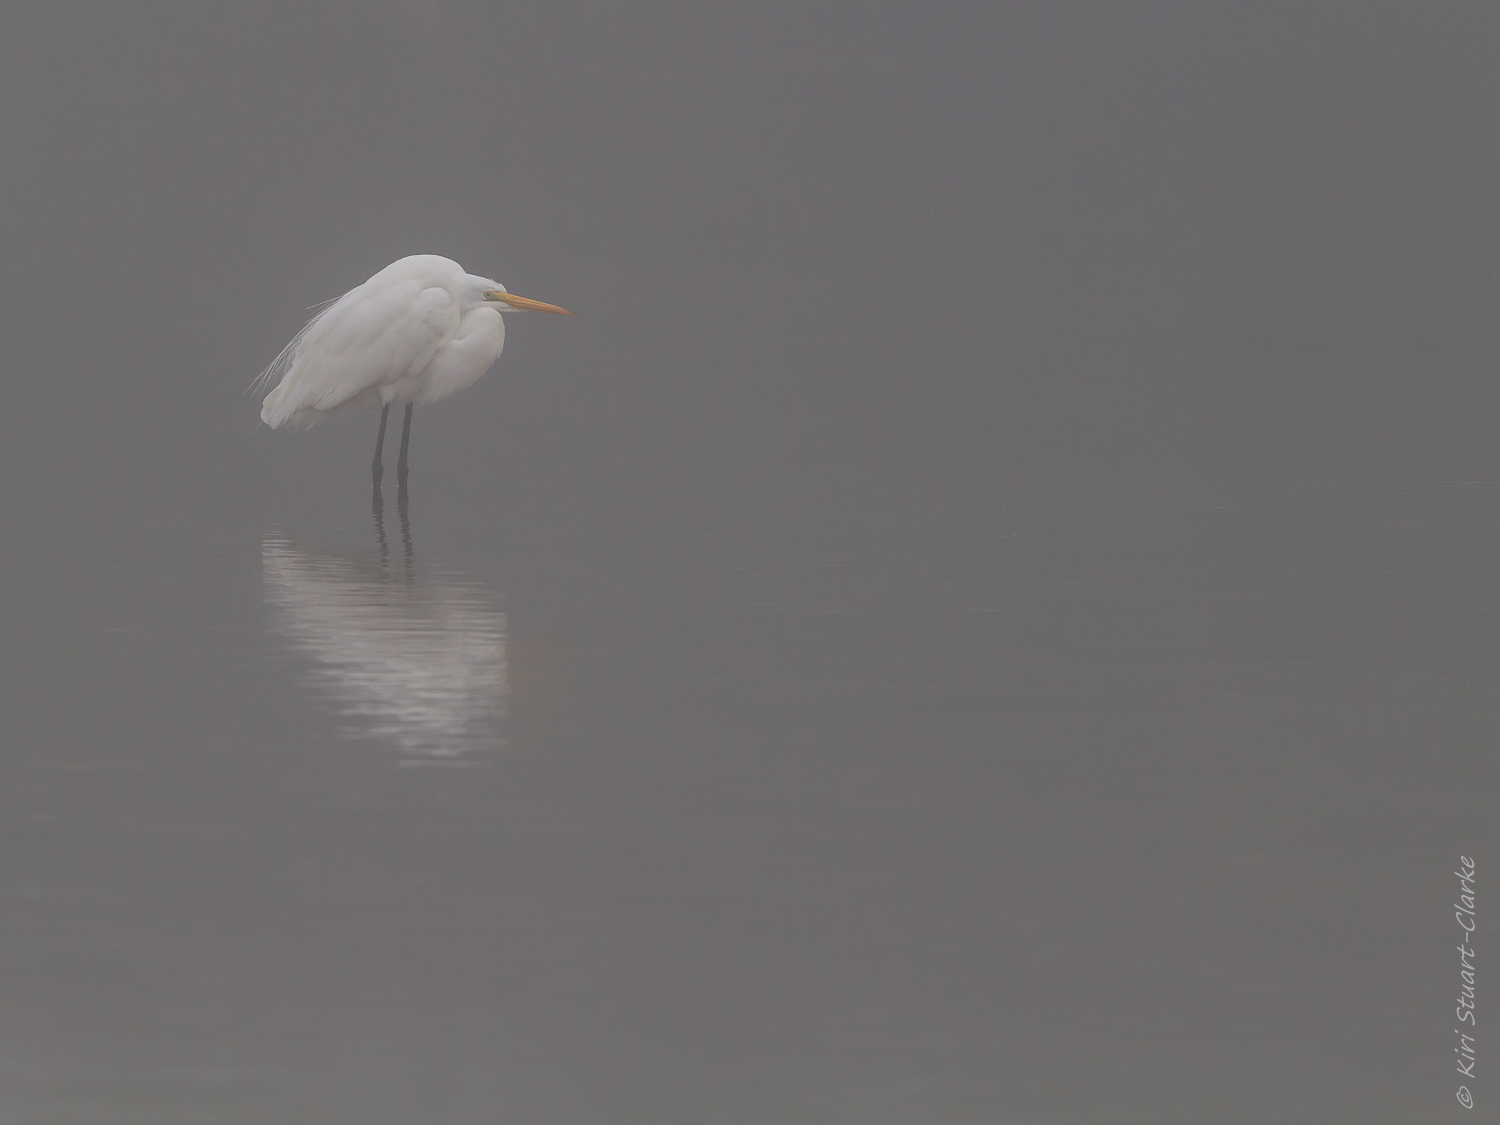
{"x": 419, "y": 331}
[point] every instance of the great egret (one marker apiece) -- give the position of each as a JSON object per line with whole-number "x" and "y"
{"x": 419, "y": 331}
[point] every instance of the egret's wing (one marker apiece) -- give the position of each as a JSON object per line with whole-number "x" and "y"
{"x": 378, "y": 337}
{"x": 276, "y": 370}
{"x": 370, "y": 337}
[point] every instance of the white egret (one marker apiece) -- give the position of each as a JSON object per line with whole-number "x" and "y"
{"x": 419, "y": 331}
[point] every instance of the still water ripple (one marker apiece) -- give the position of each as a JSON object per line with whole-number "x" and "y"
{"x": 399, "y": 659}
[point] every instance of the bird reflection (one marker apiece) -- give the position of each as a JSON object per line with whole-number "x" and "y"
{"x": 401, "y": 659}
{"x": 377, "y": 510}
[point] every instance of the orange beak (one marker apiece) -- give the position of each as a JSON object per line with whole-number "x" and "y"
{"x": 523, "y": 303}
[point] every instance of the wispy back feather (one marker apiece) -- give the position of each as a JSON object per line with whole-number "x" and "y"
{"x": 279, "y": 366}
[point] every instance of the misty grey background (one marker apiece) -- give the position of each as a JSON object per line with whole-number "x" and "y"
{"x": 995, "y": 594}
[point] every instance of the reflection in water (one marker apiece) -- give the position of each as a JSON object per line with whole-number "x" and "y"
{"x": 377, "y": 509}
{"x": 415, "y": 662}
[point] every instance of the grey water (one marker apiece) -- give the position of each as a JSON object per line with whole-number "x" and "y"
{"x": 991, "y": 611}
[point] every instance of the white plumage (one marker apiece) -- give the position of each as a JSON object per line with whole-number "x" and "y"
{"x": 419, "y": 331}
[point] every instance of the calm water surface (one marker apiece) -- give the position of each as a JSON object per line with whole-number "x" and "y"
{"x": 820, "y": 810}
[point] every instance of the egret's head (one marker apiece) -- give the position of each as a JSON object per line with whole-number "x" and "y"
{"x": 495, "y": 294}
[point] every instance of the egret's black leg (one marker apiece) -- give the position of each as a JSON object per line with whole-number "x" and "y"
{"x": 405, "y": 440}
{"x": 377, "y": 470}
